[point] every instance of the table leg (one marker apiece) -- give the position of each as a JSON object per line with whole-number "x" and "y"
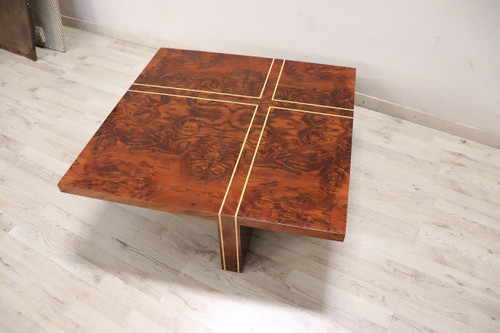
{"x": 234, "y": 240}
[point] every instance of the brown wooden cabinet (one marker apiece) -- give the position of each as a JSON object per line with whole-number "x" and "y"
{"x": 17, "y": 31}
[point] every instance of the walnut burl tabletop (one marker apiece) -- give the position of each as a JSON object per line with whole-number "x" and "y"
{"x": 246, "y": 141}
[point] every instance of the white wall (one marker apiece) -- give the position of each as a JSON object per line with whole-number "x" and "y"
{"x": 441, "y": 57}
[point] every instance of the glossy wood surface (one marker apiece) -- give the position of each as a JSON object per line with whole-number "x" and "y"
{"x": 206, "y": 71}
{"x": 300, "y": 177}
{"x": 170, "y": 153}
{"x": 318, "y": 84}
{"x": 229, "y": 138}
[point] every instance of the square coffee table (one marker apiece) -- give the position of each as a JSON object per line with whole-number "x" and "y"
{"x": 249, "y": 142}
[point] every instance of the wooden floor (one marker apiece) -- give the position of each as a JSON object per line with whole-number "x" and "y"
{"x": 421, "y": 254}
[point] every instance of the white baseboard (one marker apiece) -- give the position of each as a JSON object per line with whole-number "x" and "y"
{"x": 428, "y": 120}
{"x": 118, "y": 34}
{"x": 363, "y": 100}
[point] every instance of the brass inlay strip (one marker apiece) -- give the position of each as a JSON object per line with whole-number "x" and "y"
{"x": 229, "y": 185}
{"x": 278, "y": 81}
{"x": 194, "y": 90}
{"x": 192, "y": 97}
{"x": 208, "y": 91}
{"x": 243, "y": 191}
{"x": 222, "y": 243}
{"x": 313, "y": 112}
{"x": 311, "y": 104}
{"x": 267, "y": 78}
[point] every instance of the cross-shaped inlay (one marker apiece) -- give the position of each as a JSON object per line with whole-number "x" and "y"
{"x": 249, "y": 142}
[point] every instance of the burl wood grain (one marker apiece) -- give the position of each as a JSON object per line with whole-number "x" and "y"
{"x": 170, "y": 153}
{"x": 249, "y": 142}
{"x": 300, "y": 178}
{"x": 207, "y": 71}
{"x": 317, "y": 84}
